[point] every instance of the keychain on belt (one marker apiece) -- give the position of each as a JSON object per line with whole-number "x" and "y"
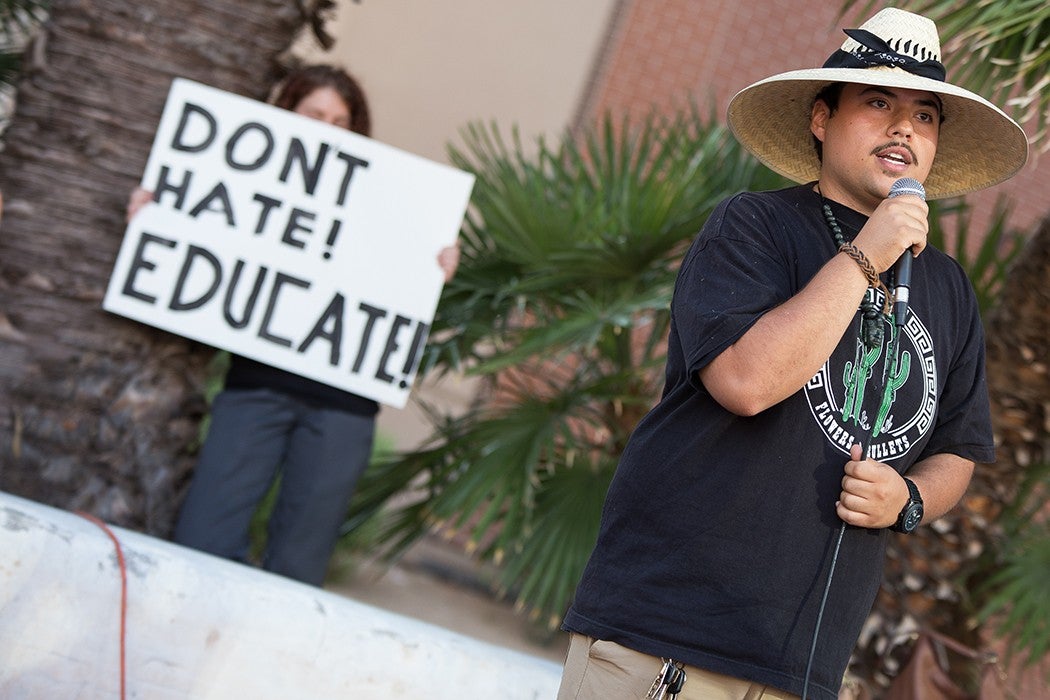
{"x": 668, "y": 682}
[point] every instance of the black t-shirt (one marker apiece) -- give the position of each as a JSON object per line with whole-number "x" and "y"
{"x": 245, "y": 373}
{"x": 718, "y": 530}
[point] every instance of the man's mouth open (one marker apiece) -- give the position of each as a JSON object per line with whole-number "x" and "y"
{"x": 895, "y": 156}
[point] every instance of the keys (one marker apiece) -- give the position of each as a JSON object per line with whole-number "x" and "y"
{"x": 668, "y": 682}
{"x": 658, "y": 686}
{"x": 675, "y": 682}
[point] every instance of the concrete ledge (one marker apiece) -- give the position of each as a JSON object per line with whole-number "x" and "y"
{"x": 202, "y": 627}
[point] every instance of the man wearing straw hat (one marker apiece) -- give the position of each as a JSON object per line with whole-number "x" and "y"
{"x": 743, "y": 536}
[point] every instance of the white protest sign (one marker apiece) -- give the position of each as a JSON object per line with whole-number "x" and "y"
{"x": 292, "y": 242}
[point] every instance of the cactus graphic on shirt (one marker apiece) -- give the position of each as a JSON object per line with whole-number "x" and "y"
{"x": 855, "y": 377}
{"x": 895, "y": 379}
{"x": 883, "y": 395}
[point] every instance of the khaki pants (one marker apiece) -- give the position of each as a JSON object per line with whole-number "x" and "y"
{"x": 600, "y": 670}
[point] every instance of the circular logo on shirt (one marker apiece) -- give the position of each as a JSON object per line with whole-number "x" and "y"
{"x": 888, "y": 392}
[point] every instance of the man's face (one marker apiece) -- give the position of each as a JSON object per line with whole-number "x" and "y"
{"x": 875, "y": 136}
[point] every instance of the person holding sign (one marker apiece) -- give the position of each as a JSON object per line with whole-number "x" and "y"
{"x": 269, "y": 424}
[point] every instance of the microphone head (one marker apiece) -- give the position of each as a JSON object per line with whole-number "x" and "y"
{"x": 907, "y": 185}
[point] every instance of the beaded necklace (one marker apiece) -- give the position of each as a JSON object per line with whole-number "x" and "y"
{"x": 872, "y": 314}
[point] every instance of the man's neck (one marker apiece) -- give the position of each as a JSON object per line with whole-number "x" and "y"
{"x": 828, "y": 190}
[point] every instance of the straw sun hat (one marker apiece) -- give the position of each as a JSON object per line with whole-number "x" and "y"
{"x": 978, "y": 145}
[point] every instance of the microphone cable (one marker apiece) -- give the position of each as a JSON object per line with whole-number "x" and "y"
{"x": 900, "y": 282}
{"x": 891, "y": 355}
{"x": 820, "y": 611}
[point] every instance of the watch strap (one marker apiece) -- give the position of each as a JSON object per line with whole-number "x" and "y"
{"x": 913, "y": 490}
{"x": 914, "y": 501}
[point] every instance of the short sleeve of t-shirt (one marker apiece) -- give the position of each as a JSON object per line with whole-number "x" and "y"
{"x": 963, "y": 412}
{"x": 734, "y": 272}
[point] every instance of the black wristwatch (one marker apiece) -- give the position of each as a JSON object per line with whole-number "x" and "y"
{"x": 911, "y": 513}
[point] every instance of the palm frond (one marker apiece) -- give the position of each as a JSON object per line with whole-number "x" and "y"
{"x": 10, "y": 67}
{"x": 561, "y": 304}
{"x": 18, "y": 19}
{"x": 1017, "y": 598}
{"x": 987, "y": 261}
{"x": 546, "y": 565}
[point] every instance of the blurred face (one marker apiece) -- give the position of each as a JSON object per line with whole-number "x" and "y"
{"x": 875, "y": 136}
{"x": 325, "y": 104}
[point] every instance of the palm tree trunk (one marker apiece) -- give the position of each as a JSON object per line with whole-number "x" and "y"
{"x": 99, "y": 413}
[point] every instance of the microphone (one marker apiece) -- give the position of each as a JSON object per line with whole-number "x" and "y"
{"x": 902, "y": 268}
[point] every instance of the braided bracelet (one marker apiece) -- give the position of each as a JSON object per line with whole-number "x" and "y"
{"x": 869, "y": 272}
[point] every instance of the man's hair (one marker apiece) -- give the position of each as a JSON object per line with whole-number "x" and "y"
{"x": 303, "y": 81}
{"x": 829, "y": 95}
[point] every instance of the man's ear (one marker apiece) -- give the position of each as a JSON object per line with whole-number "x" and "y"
{"x": 818, "y": 119}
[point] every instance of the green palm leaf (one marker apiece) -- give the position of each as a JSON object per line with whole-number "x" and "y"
{"x": 18, "y": 18}
{"x": 987, "y": 262}
{"x": 1016, "y": 596}
{"x": 561, "y": 304}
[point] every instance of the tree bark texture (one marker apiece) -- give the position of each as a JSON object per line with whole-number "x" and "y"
{"x": 99, "y": 413}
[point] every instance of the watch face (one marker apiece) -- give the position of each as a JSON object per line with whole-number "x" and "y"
{"x": 912, "y": 516}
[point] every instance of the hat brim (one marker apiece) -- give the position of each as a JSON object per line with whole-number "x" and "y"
{"x": 978, "y": 146}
